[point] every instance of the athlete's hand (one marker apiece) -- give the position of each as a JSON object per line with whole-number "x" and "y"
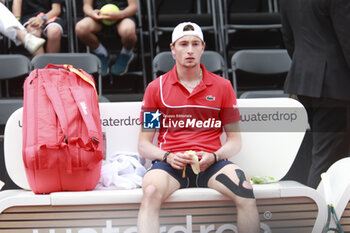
{"x": 179, "y": 160}
{"x": 207, "y": 159}
{"x": 113, "y": 16}
{"x": 96, "y": 15}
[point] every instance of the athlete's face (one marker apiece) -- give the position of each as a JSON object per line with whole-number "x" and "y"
{"x": 187, "y": 51}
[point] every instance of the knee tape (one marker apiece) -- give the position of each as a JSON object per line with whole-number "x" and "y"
{"x": 239, "y": 190}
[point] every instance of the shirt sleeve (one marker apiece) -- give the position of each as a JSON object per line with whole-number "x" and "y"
{"x": 229, "y": 110}
{"x": 149, "y": 102}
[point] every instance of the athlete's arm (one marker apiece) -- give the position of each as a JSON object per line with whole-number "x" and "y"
{"x": 231, "y": 147}
{"x": 233, "y": 141}
{"x": 146, "y": 148}
{"x": 149, "y": 151}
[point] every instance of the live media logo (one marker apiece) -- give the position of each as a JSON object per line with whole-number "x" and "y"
{"x": 151, "y": 120}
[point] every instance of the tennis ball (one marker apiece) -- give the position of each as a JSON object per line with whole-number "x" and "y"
{"x": 109, "y": 8}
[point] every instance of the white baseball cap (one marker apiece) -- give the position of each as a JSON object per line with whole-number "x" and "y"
{"x": 179, "y": 31}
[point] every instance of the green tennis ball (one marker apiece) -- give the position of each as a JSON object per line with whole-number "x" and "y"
{"x": 106, "y": 9}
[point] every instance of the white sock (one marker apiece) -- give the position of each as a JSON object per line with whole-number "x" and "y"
{"x": 101, "y": 50}
{"x": 124, "y": 51}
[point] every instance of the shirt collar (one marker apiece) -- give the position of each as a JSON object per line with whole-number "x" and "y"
{"x": 175, "y": 79}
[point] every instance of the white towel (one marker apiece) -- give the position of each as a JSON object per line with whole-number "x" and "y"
{"x": 122, "y": 171}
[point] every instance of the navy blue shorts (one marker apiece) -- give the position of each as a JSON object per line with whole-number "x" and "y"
{"x": 191, "y": 179}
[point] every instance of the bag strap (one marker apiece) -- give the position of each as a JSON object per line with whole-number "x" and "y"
{"x": 78, "y": 96}
{"x": 95, "y": 138}
{"x": 86, "y": 114}
{"x": 57, "y": 104}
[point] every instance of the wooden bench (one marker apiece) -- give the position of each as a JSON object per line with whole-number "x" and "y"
{"x": 272, "y": 131}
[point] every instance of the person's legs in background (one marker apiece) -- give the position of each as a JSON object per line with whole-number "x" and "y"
{"x": 127, "y": 32}
{"x": 36, "y": 32}
{"x": 54, "y": 34}
{"x": 329, "y": 122}
{"x": 15, "y": 31}
{"x": 86, "y": 30}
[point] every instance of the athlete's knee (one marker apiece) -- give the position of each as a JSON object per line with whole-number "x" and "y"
{"x": 245, "y": 203}
{"x": 242, "y": 189}
{"x": 152, "y": 194}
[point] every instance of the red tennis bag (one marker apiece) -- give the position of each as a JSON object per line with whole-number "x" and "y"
{"x": 62, "y": 136}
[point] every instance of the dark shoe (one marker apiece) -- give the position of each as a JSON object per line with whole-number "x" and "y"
{"x": 104, "y": 64}
{"x": 120, "y": 67}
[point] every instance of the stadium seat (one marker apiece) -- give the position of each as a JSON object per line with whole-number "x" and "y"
{"x": 86, "y": 61}
{"x": 164, "y": 15}
{"x": 249, "y": 24}
{"x": 213, "y": 61}
{"x": 263, "y": 63}
{"x": 3, "y": 44}
{"x": 12, "y": 67}
{"x": 263, "y": 94}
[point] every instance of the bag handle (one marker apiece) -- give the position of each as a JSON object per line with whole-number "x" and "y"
{"x": 82, "y": 76}
{"x": 54, "y": 66}
{"x": 75, "y": 71}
